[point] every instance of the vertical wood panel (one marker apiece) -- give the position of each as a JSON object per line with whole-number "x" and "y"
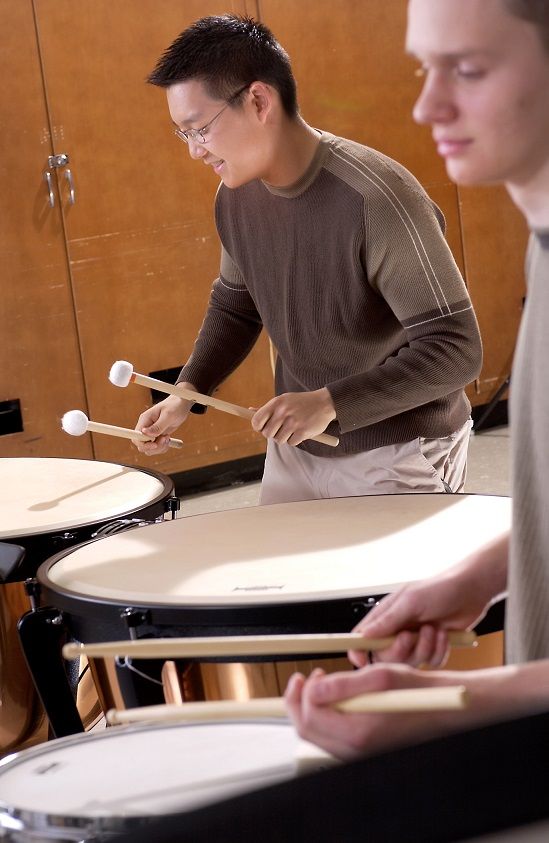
{"x": 39, "y": 356}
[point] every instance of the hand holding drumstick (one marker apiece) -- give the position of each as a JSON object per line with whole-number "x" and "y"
{"x": 271, "y": 419}
{"x": 76, "y": 423}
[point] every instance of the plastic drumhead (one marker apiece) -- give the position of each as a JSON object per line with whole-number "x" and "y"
{"x": 100, "y": 781}
{"x": 308, "y": 551}
{"x": 40, "y": 494}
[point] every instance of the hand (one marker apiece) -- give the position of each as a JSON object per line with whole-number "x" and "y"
{"x": 294, "y": 416}
{"x": 309, "y": 703}
{"x": 160, "y": 421}
{"x": 420, "y": 614}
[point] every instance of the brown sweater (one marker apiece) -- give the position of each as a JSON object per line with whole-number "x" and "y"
{"x": 349, "y": 272}
{"x": 527, "y": 614}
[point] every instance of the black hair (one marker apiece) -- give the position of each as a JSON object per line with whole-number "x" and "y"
{"x": 228, "y": 52}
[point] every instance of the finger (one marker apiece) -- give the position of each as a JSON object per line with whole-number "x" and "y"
{"x": 441, "y": 649}
{"x": 424, "y": 646}
{"x": 401, "y": 652}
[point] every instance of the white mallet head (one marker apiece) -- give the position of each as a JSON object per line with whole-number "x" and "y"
{"x": 75, "y": 422}
{"x": 121, "y": 373}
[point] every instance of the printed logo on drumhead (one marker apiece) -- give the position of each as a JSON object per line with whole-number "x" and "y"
{"x": 258, "y": 588}
{"x": 47, "y": 768}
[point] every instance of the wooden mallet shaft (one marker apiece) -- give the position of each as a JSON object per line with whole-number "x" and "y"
{"x": 242, "y": 645}
{"x": 127, "y": 433}
{"x": 450, "y": 697}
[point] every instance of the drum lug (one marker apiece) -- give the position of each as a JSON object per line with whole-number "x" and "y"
{"x": 134, "y": 618}
{"x": 32, "y": 590}
{"x": 173, "y": 505}
{"x": 64, "y": 539}
{"x": 362, "y": 607}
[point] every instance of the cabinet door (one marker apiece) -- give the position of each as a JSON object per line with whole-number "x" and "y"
{"x": 355, "y": 80}
{"x": 39, "y": 349}
{"x": 141, "y": 241}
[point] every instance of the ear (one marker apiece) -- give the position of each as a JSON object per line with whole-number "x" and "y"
{"x": 264, "y": 98}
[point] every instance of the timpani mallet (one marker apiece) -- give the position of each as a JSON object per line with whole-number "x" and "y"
{"x": 76, "y": 423}
{"x": 436, "y": 698}
{"x": 122, "y": 374}
{"x": 243, "y": 645}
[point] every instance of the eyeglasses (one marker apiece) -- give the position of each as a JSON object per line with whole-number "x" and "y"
{"x": 199, "y": 135}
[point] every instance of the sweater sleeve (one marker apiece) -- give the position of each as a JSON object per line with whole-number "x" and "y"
{"x": 409, "y": 264}
{"x": 229, "y": 331}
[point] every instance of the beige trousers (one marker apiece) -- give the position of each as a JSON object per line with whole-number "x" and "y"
{"x": 421, "y": 465}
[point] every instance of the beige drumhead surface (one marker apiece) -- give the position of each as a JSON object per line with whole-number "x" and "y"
{"x": 326, "y": 549}
{"x": 42, "y": 494}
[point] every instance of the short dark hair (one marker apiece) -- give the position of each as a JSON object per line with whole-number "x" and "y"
{"x": 228, "y": 52}
{"x": 535, "y": 12}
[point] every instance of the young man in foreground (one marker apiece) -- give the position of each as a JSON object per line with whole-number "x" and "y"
{"x": 486, "y": 96}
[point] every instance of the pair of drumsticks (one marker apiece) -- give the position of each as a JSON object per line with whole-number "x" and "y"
{"x": 77, "y": 423}
{"x": 122, "y": 374}
{"x": 410, "y": 699}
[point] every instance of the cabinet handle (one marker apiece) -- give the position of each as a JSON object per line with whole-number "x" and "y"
{"x": 68, "y": 176}
{"x": 51, "y": 197}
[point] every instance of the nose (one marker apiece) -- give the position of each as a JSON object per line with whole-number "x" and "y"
{"x": 196, "y": 150}
{"x": 435, "y": 103}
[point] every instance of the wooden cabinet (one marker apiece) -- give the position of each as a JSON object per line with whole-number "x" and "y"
{"x": 124, "y": 271}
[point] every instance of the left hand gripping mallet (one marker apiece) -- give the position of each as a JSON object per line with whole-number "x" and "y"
{"x": 76, "y": 423}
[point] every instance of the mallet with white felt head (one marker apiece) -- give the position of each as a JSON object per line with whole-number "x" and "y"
{"x": 76, "y": 423}
{"x": 122, "y": 374}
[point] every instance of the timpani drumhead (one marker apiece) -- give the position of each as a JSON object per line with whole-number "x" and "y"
{"x": 284, "y": 553}
{"x": 75, "y": 787}
{"x": 42, "y": 494}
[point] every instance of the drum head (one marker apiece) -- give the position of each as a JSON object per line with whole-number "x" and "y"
{"x": 100, "y": 782}
{"x": 283, "y": 553}
{"x": 39, "y": 495}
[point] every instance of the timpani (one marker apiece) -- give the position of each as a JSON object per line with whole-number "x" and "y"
{"x": 292, "y": 568}
{"x": 47, "y": 505}
{"x": 98, "y": 785}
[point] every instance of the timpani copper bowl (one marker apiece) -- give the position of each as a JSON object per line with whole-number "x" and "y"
{"x": 47, "y": 505}
{"x": 309, "y": 567}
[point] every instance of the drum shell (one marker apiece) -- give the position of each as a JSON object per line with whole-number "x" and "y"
{"x": 22, "y": 719}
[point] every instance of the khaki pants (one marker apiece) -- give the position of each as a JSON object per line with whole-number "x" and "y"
{"x": 421, "y": 465}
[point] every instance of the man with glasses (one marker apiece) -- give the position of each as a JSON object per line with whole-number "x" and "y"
{"x": 340, "y": 255}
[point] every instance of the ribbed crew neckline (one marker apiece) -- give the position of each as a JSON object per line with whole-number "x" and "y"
{"x": 304, "y": 181}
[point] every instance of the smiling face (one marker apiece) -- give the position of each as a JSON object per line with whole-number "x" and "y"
{"x": 236, "y": 144}
{"x": 485, "y": 92}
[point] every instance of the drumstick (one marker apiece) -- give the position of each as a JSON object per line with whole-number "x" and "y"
{"x": 242, "y": 645}
{"x": 77, "y": 423}
{"x": 122, "y": 374}
{"x": 450, "y": 697}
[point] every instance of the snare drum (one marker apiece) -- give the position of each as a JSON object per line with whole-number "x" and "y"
{"x": 117, "y": 780}
{"x": 308, "y": 567}
{"x": 47, "y": 505}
